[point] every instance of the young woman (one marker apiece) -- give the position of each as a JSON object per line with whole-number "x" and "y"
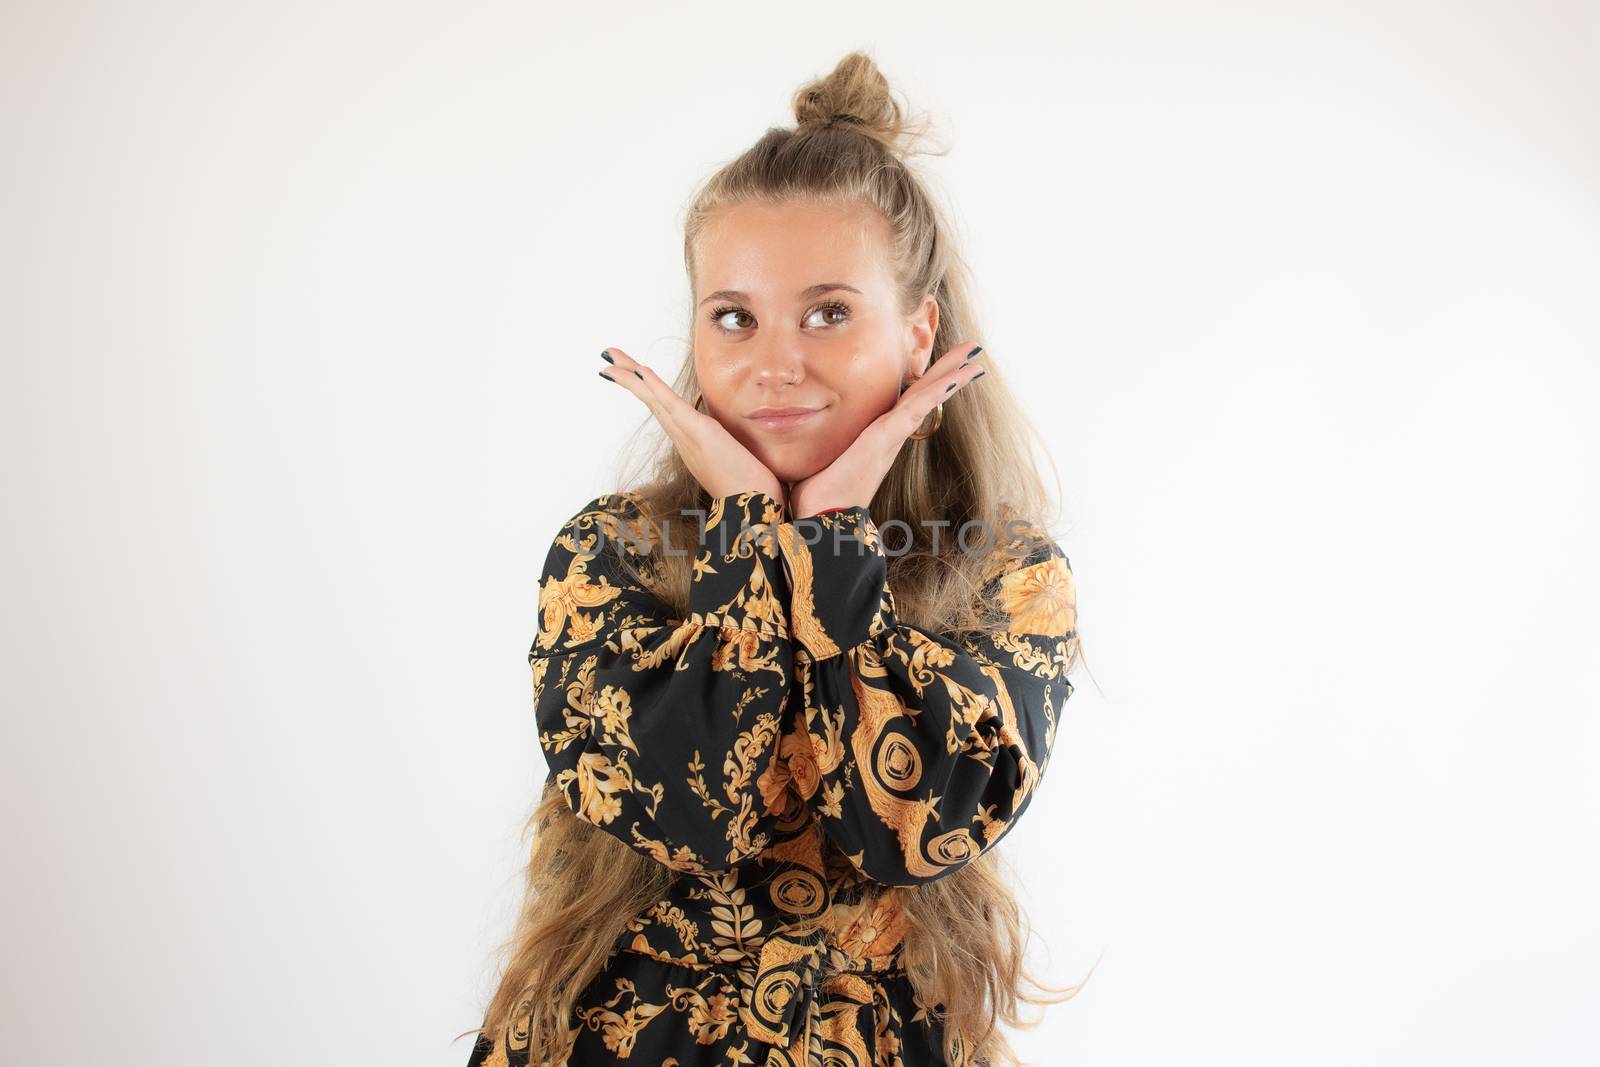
{"x": 795, "y": 686}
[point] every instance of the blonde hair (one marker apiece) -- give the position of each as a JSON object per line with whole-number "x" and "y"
{"x": 967, "y": 937}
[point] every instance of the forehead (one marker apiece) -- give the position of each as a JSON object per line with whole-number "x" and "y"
{"x": 776, "y": 249}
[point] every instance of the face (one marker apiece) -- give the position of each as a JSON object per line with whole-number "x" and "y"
{"x": 796, "y": 311}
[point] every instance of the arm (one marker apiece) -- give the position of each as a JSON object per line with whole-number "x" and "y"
{"x": 659, "y": 729}
{"x": 929, "y": 747}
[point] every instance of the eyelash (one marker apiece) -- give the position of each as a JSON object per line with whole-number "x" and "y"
{"x": 718, "y": 312}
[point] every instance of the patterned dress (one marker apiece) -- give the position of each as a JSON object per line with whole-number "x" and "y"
{"x": 799, "y": 759}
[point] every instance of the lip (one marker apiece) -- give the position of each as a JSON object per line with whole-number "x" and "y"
{"x": 778, "y": 420}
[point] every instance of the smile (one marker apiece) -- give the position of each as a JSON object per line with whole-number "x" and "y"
{"x": 782, "y": 419}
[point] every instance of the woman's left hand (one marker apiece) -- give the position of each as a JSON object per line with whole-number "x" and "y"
{"x": 854, "y": 478}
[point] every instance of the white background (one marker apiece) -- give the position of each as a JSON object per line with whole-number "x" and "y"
{"x": 302, "y": 304}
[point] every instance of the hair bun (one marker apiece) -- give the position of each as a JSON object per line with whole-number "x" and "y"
{"x": 855, "y": 96}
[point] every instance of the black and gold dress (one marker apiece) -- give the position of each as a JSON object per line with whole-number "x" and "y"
{"x": 786, "y": 748}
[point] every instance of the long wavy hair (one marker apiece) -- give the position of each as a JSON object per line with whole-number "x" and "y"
{"x": 967, "y": 936}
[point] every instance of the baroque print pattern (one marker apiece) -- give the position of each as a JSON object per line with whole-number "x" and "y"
{"x": 798, "y": 758}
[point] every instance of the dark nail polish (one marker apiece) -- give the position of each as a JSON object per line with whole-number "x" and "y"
{"x": 606, "y": 356}
{"x": 606, "y": 376}
{"x": 980, "y": 374}
{"x": 949, "y": 387}
{"x": 641, "y": 377}
{"x": 971, "y": 354}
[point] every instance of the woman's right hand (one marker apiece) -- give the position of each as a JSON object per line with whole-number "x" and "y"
{"x": 720, "y": 463}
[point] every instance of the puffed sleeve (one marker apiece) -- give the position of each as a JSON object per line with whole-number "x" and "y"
{"x": 659, "y": 728}
{"x": 929, "y": 746}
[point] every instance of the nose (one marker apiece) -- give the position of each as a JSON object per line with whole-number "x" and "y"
{"x": 779, "y": 365}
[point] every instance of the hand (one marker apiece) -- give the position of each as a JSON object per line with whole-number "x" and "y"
{"x": 714, "y": 456}
{"x": 854, "y": 478}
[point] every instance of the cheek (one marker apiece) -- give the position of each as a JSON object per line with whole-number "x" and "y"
{"x": 719, "y": 385}
{"x": 866, "y": 399}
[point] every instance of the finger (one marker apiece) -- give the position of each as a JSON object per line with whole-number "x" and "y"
{"x": 645, "y": 384}
{"x": 666, "y": 401}
{"x": 956, "y": 358}
{"x": 623, "y": 374}
{"x": 957, "y": 362}
{"x": 948, "y": 373}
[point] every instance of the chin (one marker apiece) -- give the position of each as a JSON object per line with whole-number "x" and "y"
{"x": 790, "y": 473}
{"x": 793, "y": 468}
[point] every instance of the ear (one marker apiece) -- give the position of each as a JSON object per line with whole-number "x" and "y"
{"x": 921, "y": 328}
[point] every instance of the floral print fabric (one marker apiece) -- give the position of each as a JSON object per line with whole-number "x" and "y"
{"x": 798, "y": 758}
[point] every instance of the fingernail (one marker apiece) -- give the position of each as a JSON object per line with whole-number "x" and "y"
{"x": 641, "y": 377}
{"x": 974, "y": 352}
{"x": 606, "y": 356}
{"x": 980, "y": 374}
{"x": 949, "y": 387}
{"x": 606, "y": 376}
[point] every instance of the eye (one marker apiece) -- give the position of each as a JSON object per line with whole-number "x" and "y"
{"x": 836, "y": 306}
{"x": 718, "y": 313}
{"x": 838, "y": 309}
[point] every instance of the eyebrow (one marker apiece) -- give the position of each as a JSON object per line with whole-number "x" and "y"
{"x": 804, "y": 294}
